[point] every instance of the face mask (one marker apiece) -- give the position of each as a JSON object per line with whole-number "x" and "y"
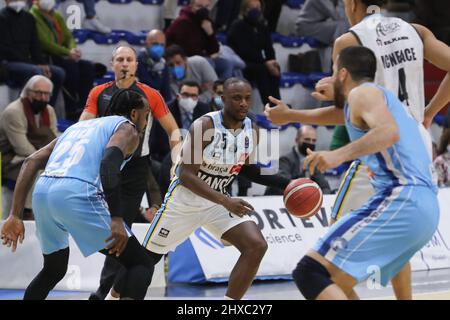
{"x": 178, "y": 72}
{"x": 202, "y": 14}
{"x": 303, "y": 147}
{"x": 218, "y": 102}
{"x": 47, "y": 5}
{"x": 253, "y": 16}
{"x": 156, "y": 51}
{"x": 187, "y": 104}
{"x": 37, "y": 106}
{"x": 17, "y": 6}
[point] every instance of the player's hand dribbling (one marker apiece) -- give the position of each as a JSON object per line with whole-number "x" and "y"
{"x": 238, "y": 206}
{"x": 322, "y": 160}
{"x": 12, "y": 231}
{"x": 118, "y": 236}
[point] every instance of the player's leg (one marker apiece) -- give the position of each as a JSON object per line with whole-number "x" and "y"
{"x": 319, "y": 279}
{"x": 130, "y": 202}
{"x": 54, "y": 269}
{"x": 53, "y": 239}
{"x": 402, "y": 283}
{"x": 248, "y": 239}
{"x": 139, "y": 265}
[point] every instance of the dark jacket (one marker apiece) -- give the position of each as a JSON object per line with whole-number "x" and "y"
{"x": 154, "y": 74}
{"x": 159, "y": 142}
{"x": 291, "y": 166}
{"x": 19, "y": 41}
{"x": 253, "y": 44}
{"x": 186, "y": 31}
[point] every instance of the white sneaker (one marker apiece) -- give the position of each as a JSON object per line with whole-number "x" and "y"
{"x": 95, "y": 25}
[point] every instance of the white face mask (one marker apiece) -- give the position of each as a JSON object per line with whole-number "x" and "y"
{"x": 17, "y": 6}
{"x": 47, "y": 5}
{"x": 187, "y": 104}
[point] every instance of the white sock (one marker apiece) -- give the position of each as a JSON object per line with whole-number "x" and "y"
{"x": 227, "y": 298}
{"x": 110, "y": 297}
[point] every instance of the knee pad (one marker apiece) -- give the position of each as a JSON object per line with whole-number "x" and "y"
{"x": 311, "y": 277}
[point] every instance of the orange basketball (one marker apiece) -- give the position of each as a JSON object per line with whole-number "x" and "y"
{"x": 303, "y": 198}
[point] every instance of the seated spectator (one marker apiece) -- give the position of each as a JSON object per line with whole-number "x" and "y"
{"x": 91, "y": 21}
{"x": 252, "y": 41}
{"x": 195, "y": 68}
{"x": 442, "y": 162}
{"x": 26, "y": 125}
{"x": 435, "y": 14}
{"x": 324, "y": 20}
{"x": 152, "y": 68}
{"x": 20, "y": 51}
{"x": 193, "y": 31}
{"x": 185, "y": 109}
{"x": 59, "y": 46}
{"x": 291, "y": 164}
{"x": 216, "y": 102}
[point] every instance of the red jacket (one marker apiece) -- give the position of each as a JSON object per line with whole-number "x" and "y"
{"x": 186, "y": 31}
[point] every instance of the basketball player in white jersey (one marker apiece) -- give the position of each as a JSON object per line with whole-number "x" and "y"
{"x": 400, "y": 48}
{"x": 217, "y": 149}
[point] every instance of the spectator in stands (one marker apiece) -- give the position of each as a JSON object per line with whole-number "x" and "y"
{"x": 435, "y": 14}
{"x": 193, "y": 30}
{"x": 216, "y": 102}
{"x": 26, "y": 125}
{"x": 186, "y": 108}
{"x": 195, "y": 68}
{"x": 20, "y": 51}
{"x": 272, "y": 11}
{"x": 91, "y": 21}
{"x": 324, "y": 20}
{"x": 291, "y": 164}
{"x": 252, "y": 41}
{"x": 59, "y": 46}
{"x": 227, "y": 12}
{"x": 442, "y": 162}
{"x": 152, "y": 68}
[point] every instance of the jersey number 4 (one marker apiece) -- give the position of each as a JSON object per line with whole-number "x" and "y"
{"x": 402, "y": 92}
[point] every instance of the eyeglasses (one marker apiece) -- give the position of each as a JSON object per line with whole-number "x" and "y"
{"x": 41, "y": 93}
{"x": 189, "y": 95}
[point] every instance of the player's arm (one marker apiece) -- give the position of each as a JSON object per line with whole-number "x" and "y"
{"x": 368, "y": 110}
{"x": 173, "y": 132}
{"x": 191, "y": 159}
{"x": 282, "y": 114}
{"x": 91, "y": 108}
{"x": 13, "y": 229}
{"x": 252, "y": 171}
{"x": 121, "y": 145}
{"x": 438, "y": 53}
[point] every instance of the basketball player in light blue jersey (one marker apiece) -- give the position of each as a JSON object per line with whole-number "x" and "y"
{"x": 380, "y": 237}
{"x": 82, "y": 170}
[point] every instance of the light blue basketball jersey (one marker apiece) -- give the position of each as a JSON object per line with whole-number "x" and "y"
{"x": 79, "y": 151}
{"x": 406, "y": 162}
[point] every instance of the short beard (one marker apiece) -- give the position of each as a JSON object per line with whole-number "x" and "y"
{"x": 339, "y": 98}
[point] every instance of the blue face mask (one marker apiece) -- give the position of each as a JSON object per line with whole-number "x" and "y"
{"x": 178, "y": 72}
{"x": 218, "y": 102}
{"x": 156, "y": 51}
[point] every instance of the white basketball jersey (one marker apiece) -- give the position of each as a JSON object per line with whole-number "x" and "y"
{"x": 399, "y": 51}
{"x": 225, "y": 155}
